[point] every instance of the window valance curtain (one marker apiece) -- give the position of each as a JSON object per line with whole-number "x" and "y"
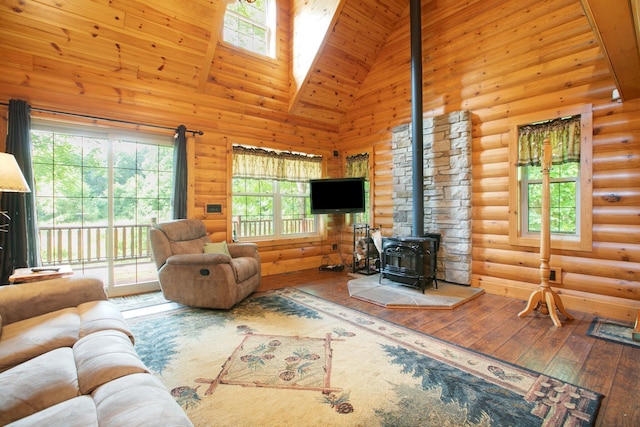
{"x": 249, "y": 162}
{"x": 563, "y": 134}
{"x": 357, "y": 166}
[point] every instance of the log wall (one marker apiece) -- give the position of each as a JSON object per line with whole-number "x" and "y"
{"x": 498, "y": 60}
{"x": 241, "y": 98}
{"x": 499, "y": 63}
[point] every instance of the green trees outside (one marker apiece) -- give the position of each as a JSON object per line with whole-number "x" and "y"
{"x": 79, "y": 177}
{"x": 71, "y": 173}
{"x": 143, "y": 182}
{"x": 563, "y": 198}
{"x": 274, "y": 207}
{"x": 67, "y": 169}
{"x": 245, "y": 26}
{"x": 253, "y": 200}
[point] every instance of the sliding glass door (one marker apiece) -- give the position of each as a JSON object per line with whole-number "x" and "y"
{"x": 97, "y": 193}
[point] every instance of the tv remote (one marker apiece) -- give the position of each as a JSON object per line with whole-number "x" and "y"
{"x": 42, "y": 269}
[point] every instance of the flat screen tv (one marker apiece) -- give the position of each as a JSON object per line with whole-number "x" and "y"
{"x": 337, "y": 195}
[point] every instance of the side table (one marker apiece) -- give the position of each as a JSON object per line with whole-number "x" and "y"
{"x": 26, "y": 275}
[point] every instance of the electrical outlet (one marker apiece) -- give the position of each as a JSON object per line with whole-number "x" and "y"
{"x": 555, "y": 275}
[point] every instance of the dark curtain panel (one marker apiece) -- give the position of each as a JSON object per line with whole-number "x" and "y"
{"x": 180, "y": 175}
{"x": 20, "y": 247}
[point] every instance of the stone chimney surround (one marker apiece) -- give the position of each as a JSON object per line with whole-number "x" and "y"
{"x": 447, "y": 186}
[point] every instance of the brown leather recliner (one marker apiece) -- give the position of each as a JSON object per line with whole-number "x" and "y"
{"x": 192, "y": 277}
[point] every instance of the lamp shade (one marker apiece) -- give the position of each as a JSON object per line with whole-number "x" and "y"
{"x": 11, "y": 178}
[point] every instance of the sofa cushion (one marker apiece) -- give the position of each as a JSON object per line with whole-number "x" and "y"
{"x": 104, "y": 356}
{"x": 77, "y": 412}
{"x": 26, "y": 300}
{"x": 26, "y": 339}
{"x": 128, "y": 401}
{"x": 37, "y": 384}
{"x": 101, "y": 315}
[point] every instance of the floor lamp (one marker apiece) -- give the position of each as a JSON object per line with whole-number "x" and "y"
{"x": 546, "y": 298}
{"x": 11, "y": 181}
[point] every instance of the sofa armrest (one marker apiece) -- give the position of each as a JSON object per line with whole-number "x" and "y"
{"x": 238, "y": 250}
{"x": 19, "y": 302}
{"x": 198, "y": 259}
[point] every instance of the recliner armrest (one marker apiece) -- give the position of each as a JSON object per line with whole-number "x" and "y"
{"x": 238, "y": 250}
{"x": 198, "y": 259}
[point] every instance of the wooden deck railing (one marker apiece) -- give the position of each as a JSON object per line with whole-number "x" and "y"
{"x": 73, "y": 244}
{"x": 243, "y": 227}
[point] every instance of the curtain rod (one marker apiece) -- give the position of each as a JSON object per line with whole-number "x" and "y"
{"x": 43, "y": 110}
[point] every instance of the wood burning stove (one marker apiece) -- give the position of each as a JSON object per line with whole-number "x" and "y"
{"x": 411, "y": 261}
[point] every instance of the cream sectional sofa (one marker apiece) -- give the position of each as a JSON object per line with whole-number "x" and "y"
{"x": 67, "y": 359}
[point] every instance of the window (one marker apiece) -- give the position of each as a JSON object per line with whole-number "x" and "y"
{"x": 96, "y": 195}
{"x": 270, "y": 193}
{"x": 570, "y": 183}
{"x": 251, "y": 26}
{"x": 564, "y": 198}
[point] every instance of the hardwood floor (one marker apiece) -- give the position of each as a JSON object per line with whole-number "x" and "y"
{"x": 489, "y": 324}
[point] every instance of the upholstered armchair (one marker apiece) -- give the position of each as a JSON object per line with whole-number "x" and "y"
{"x": 197, "y": 272}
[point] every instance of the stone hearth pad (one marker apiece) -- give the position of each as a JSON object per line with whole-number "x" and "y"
{"x": 392, "y": 294}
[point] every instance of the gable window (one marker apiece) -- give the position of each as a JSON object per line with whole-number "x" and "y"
{"x": 270, "y": 193}
{"x": 251, "y": 26}
{"x": 357, "y": 166}
{"x": 569, "y": 134}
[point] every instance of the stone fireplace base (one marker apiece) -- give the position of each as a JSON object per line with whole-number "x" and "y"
{"x": 390, "y": 294}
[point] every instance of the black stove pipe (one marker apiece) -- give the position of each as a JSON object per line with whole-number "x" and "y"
{"x": 416, "y": 114}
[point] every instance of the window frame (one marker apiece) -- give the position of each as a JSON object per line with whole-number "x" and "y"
{"x": 524, "y": 201}
{"x": 111, "y": 136}
{"x": 277, "y": 197}
{"x": 269, "y": 26}
{"x": 321, "y": 227}
{"x": 583, "y": 240}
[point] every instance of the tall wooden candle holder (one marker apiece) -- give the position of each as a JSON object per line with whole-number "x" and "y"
{"x": 546, "y": 298}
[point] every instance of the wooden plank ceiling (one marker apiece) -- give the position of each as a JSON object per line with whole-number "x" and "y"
{"x": 356, "y": 31}
{"x": 166, "y": 40}
{"x": 174, "y": 42}
{"x": 617, "y": 26}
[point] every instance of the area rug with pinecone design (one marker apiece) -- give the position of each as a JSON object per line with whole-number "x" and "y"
{"x": 288, "y": 358}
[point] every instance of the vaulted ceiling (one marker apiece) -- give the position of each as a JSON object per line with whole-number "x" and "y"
{"x": 617, "y": 26}
{"x": 171, "y": 41}
{"x": 334, "y": 43}
{"x": 346, "y": 39}
{"x": 175, "y": 42}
